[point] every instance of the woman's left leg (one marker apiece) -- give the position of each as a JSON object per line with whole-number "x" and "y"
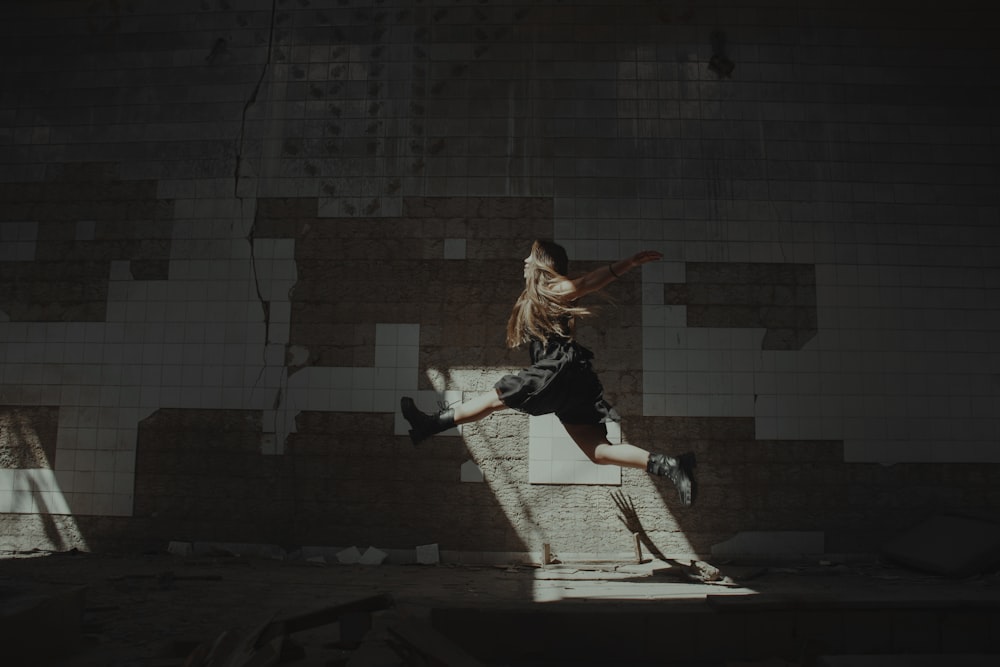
{"x": 425, "y": 425}
{"x": 478, "y": 408}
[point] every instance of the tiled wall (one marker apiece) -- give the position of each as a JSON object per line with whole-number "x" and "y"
{"x": 232, "y": 235}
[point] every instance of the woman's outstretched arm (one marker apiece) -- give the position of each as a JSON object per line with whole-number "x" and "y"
{"x": 601, "y": 277}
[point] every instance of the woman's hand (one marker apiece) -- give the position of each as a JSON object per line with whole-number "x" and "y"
{"x": 645, "y": 257}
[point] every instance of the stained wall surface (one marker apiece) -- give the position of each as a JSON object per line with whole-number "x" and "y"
{"x": 234, "y": 234}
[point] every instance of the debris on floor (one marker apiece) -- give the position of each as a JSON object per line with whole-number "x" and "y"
{"x": 428, "y": 554}
{"x": 271, "y": 643}
{"x": 948, "y": 544}
{"x": 420, "y": 644}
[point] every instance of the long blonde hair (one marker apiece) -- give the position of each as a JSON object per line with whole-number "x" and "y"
{"x": 541, "y": 313}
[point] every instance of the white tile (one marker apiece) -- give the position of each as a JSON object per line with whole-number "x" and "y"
{"x": 385, "y": 379}
{"x": 6, "y": 480}
{"x": 124, "y": 461}
{"x": 743, "y": 406}
{"x": 700, "y": 405}
{"x": 609, "y": 249}
{"x": 539, "y": 471}
{"x": 540, "y": 448}
{"x": 104, "y": 482}
{"x": 408, "y": 356}
{"x": 281, "y": 312}
{"x": 563, "y": 472}
{"x": 80, "y": 503}
{"x": 362, "y": 400}
{"x": 675, "y": 361}
{"x": 363, "y": 378}
{"x": 53, "y": 502}
{"x": 408, "y": 335}
{"x": 385, "y": 355}
{"x": 102, "y": 504}
{"x": 339, "y": 378}
{"x": 608, "y": 475}
{"x": 584, "y": 472}
{"x": 386, "y": 334}
{"x": 120, "y": 270}
{"x": 455, "y": 249}
{"x": 699, "y": 383}
{"x": 86, "y": 440}
{"x": 652, "y": 320}
{"x": 83, "y": 481}
{"x": 652, "y": 294}
{"x": 340, "y": 401}
{"x": 654, "y": 382}
{"x": 23, "y": 503}
{"x": 385, "y": 400}
{"x": 64, "y": 477}
{"x": 104, "y": 460}
{"x": 123, "y": 483}
{"x": 541, "y": 426}
{"x": 676, "y": 405}
{"x": 470, "y": 472}
{"x": 653, "y": 360}
{"x": 85, "y": 459}
{"x": 406, "y": 379}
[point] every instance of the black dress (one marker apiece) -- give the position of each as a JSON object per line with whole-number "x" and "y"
{"x": 560, "y": 380}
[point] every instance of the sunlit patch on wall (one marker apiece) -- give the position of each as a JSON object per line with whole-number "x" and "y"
{"x": 28, "y": 482}
{"x": 28, "y": 436}
{"x": 555, "y": 459}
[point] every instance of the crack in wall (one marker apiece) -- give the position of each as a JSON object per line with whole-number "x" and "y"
{"x": 250, "y": 101}
{"x": 240, "y": 147}
{"x": 240, "y": 144}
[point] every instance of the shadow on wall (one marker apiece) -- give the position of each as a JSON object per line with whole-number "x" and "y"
{"x": 200, "y": 476}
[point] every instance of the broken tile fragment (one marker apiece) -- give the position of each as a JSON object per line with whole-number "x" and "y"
{"x": 428, "y": 554}
{"x": 180, "y": 548}
{"x": 349, "y": 556}
{"x": 373, "y": 556}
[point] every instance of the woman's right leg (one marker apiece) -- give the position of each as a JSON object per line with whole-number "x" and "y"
{"x": 592, "y": 439}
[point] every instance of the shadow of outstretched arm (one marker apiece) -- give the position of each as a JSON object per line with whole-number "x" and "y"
{"x": 630, "y": 518}
{"x": 695, "y": 570}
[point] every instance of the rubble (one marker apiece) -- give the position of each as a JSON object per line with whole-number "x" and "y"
{"x": 349, "y": 556}
{"x": 373, "y": 556}
{"x": 947, "y": 544}
{"x": 270, "y": 644}
{"x": 428, "y": 554}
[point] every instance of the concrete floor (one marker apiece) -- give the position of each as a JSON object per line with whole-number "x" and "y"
{"x": 154, "y": 610}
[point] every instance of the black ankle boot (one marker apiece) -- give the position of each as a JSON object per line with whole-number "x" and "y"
{"x": 678, "y": 471}
{"x": 425, "y": 425}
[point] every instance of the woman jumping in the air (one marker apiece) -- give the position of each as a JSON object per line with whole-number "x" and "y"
{"x": 560, "y": 379}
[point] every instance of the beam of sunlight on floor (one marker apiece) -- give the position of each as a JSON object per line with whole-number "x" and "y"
{"x": 569, "y": 583}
